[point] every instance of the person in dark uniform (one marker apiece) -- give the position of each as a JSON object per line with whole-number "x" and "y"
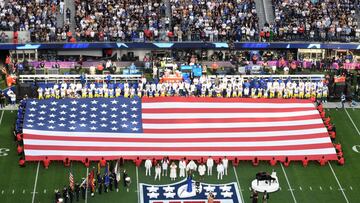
{"x": 127, "y": 181}
{"x": 265, "y": 197}
{"x": 116, "y": 183}
{"x": 254, "y": 196}
{"x": 100, "y": 183}
{"x": 105, "y": 186}
{"x": 111, "y": 179}
{"x": 65, "y": 195}
{"x": 71, "y": 194}
{"x": 77, "y": 191}
{"x": 83, "y": 190}
{"x": 57, "y": 195}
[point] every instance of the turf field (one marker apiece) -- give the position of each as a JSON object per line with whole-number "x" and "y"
{"x": 331, "y": 183}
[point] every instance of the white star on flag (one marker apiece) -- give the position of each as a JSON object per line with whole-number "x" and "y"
{"x": 51, "y": 127}
{"x": 114, "y": 128}
{"x": 72, "y": 128}
{"x": 124, "y": 119}
{"x": 103, "y": 112}
{"x": 74, "y": 102}
{"x": 83, "y": 112}
{"x": 113, "y": 116}
{"x": 32, "y": 109}
{"x": 103, "y": 119}
{"x": 83, "y": 119}
{"x": 134, "y": 102}
{"x": 62, "y": 119}
{"x": 52, "y": 115}
{"x": 41, "y": 124}
{"x": 53, "y": 103}
{"x": 114, "y": 102}
{"x": 134, "y": 129}
{"x": 93, "y": 128}
{"x": 134, "y": 116}
{"x": 170, "y": 194}
{"x": 225, "y": 188}
{"x": 152, "y": 189}
{"x": 41, "y": 118}
{"x": 62, "y": 125}
{"x": 94, "y": 102}
{"x": 93, "y": 109}
{"x": 124, "y": 125}
{"x": 103, "y": 125}
{"x": 62, "y": 112}
{"x": 93, "y": 115}
{"x": 53, "y": 109}
{"x": 30, "y": 120}
{"x": 133, "y": 109}
{"x": 134, "y": 122}
{"x": 168, "y": 189}
{"x": 227, "y": 194}
{"x": 104, "y": 105}
{"x": 124, "y": 105}
{"x": 42, "y": 112}
{"x": 113, "y": 122}
{"x": 114, "y": 109}
{"x": 29, "y": 126}
{"x": 72, "y": 122}
{"x": 63, "y": 106}
{"x": 82, "y": 125}
{"x": 93, "y": 122}
{"x": 83, "y": 106}
{"x": 43, "y": 106}
{"x": 51, "y": 121}
{"x": 73, "y": 109}
{"x": 33, "y": 103}
{"x": 153, "y": 195}
{"x": 124, "y": 112}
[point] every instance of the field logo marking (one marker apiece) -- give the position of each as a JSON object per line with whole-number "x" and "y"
{"x": 3, "y": 151}
{"x": 356, "y": 148}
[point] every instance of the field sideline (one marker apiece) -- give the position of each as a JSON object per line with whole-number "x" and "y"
{"x": 331, "y": 183}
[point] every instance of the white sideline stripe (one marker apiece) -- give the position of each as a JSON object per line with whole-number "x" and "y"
{"x": 238, "y": 182}
{"x": 308, "y": 152}
{"x": 178, "y": 144}
{"x": 357, "y": 130}
{"x": 137, "y": 183}
{"x": 287, "y": 180}
{"x": 183, "y": 135}
{"x": 87, "y": 184}
{"x": 200, "y": 105}
{"x": 232, "y": 125}
{"x": 36, "y": 178}
{"x": 227, "y": 115}
{"x": 2, "y": 114}
{"x": 337, "y": 180}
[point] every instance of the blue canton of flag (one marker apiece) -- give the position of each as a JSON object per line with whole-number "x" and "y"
{"x": 118, "y": 115}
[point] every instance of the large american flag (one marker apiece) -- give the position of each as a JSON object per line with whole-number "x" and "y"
{"x": 176, "y": 127}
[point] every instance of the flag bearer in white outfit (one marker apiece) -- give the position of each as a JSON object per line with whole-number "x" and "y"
{"x": 209, "y": 164}
{"x": 225, "y": 162}
{"x": 173, "y": 173}
{"x": 165, "y": 165}
{"x": 182, "y": 167}
{"x": 148, "y": 165}
{"x": 220, "y": 169}
{"x": 157, "y": 171}
{"x": 202, "y": 170}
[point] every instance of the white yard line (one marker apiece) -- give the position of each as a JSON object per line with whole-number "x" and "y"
{"x": 357, "y": 130}
{"x": 2, "y": 114}
{"x": 137, "y": 184}
{"x": 36, "y": 178}
{"x": 87, "y": 184}
{"x": 287, "y": 180}
{"x": 337, "y": 180}
{"x": 237, "y": 180}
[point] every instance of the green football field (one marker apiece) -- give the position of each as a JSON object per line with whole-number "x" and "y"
{"x": 330, "y": 183}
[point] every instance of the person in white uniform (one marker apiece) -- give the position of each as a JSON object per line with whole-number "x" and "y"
{"x": 173, "y": 173}
{"x": 202, "y": 170}
{"x": 225, "y": 162}
{"x": 182, "y": 167}
{"x": 209, "y": 164}
{"x": 165, "y": 165}
{"x": 191, "y": 167}
{"x": 148, "y": 165}
{"x": 157, "y": 171}
{"x": 220, "y": 170}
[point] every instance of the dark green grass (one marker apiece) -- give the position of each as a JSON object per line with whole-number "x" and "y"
{"x": 311, "y": 184}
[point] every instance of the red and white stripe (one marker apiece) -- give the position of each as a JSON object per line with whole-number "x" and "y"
{"x": 199, "y": 127}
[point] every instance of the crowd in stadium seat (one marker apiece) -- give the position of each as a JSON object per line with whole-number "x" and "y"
{"x": 214, "y": 21}
{"x": 127, "y": 20}
{"x": 314, "y": 20}
{"x": 199, "y": 87}
{"x": 38, "y": 17}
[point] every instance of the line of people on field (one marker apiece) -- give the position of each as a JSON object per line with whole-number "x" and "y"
{"x": 207, "y": 88}
{"x": 162, "y": 168}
